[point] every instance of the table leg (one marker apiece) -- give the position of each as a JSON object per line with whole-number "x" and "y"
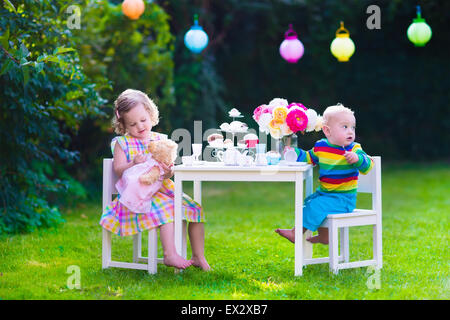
{"x": 178, "y": 214}
{"x": 298, "y": 223}
{"x": 307, "y": 246}
{"x": 198, "y": 191}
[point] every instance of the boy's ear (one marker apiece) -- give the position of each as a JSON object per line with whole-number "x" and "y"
{"x": 326, "y": 129}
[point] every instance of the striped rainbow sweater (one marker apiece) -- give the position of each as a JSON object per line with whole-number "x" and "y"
{"x": 335, "y": 173}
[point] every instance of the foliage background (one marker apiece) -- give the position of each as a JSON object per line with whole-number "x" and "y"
{"x": 56, "y": 105}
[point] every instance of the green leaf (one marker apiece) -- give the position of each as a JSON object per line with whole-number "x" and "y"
{"x": 61, "y": 50}
{"x": 26, "y": 74}
{"x": 39, "y": 66}
{"x": 24, "y": 62}
{"x": 4, "y": 39}
{"x": 49, "y": 59}
{"x": 23, "y": 51}
{"x": 9, "y": 5}
{"x": 6, "y": 67}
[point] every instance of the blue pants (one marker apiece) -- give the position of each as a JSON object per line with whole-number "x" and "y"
{"x": 320, "y": 204}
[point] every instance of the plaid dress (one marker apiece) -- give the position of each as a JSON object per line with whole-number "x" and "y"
{"x": 118, "y": 219}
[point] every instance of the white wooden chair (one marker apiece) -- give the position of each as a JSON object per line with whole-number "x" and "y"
{"x": 370, "y": 183}
{"x": 148, "y": 263}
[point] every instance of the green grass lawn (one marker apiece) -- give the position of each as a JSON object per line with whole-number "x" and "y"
{"x": 249, "y": 260}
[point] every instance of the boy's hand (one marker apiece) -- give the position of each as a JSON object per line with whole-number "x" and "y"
{"x": 140, "y": 158}
{"x": 351, "y": 157}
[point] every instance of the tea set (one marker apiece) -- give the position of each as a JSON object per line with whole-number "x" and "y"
{"x": 247, "y": 152}
{"x": 233, "y": 157}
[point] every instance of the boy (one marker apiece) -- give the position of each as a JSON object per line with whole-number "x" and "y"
{"x": 340, "y": 161}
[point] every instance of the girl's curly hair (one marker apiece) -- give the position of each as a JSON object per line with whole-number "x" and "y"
{"x": 128, "y": 100}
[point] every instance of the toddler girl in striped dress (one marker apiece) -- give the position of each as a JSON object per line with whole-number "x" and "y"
{"x": 135, "y": 115}
{"x": 340, "y": 160}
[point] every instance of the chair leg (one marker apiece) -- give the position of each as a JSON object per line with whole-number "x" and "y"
{"x": 333, "y": 247}
{"x": 377, "y": 246}
{"x": 307, "y": 246}
{"x": 137, "y": 247}
{"x": 184, "y": 240}
{"x": 106, "y": 248}
{"x": 152, "y": 251}
{"x": 345, "y": 244}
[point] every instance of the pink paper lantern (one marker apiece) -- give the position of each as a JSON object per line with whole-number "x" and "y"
{"x": 291, "y": 49}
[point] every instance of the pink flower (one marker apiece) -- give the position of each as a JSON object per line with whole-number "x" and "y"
{"x": 258, "y": 111}
{"x": 297, "y": 104}
{"x": 297, "y": 120}
{"x": 267, "y": 109}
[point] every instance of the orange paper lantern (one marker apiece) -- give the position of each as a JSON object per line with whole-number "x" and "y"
{"x": 133, "y": 9}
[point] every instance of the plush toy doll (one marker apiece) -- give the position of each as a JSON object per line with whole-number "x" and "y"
{"x": 163, "y": 151}
{"x": 139, "y": 183}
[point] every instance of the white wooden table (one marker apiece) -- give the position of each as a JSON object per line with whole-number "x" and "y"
{"x": 215, "y": 171}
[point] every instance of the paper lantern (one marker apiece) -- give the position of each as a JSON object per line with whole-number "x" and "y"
{"x": 291, "y": 49}
{"x": 196, "y": 39}
{"x": 133, "y": 9}
{"x": 342, "y": 46}
{"x": 419, "y": 32}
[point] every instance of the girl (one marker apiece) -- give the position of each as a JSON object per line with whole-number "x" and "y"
{"x": 135, "y": 115}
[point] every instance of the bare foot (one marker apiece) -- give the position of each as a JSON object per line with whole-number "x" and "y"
{"x": 201, "y": 263}
{"x": 177, "y": 261}
{"x": 318, "y": 239}
{"x": 287, "y": 233}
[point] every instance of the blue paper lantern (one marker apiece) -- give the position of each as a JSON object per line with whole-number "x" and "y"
{"x": 196, "y": 39}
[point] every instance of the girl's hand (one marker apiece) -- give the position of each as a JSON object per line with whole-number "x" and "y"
{"x": 351, "y": 157}
{"x": 168, "y": 172}
{"x": 140, "y": 158}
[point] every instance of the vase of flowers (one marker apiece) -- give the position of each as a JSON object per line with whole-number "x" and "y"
{"x": 283, "y": 120}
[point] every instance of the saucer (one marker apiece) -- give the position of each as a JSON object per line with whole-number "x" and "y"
{"x": 200, "y": 162}
{"x": 292, "y": 163}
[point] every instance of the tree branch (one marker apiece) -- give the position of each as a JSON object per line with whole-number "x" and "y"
{"x": 10, "y": 56}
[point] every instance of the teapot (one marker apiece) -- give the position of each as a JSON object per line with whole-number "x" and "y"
{"x": 230, "y": 156}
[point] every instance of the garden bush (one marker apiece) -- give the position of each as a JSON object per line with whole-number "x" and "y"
{"x": 45, "y": 95}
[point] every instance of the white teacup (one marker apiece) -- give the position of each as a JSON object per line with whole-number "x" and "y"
{"x": 187, "y": 160}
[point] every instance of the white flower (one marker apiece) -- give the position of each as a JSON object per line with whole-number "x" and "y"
{"x": 319, "y": 123}
{"x": 312, "y": 119}
{"x": 278, "y": 102}
{"x": 264, "y": 121}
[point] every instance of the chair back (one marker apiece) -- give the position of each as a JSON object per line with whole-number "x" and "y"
{"x": 109, "y": 181}
{"x": 371, "y": 183}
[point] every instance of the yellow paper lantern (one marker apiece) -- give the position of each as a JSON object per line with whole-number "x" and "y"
{"x": 342, "y": 46}
{"x": 133, "y": 9}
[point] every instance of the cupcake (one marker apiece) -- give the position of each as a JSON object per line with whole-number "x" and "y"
{"x": 234, "y": 113}
{"x": 251, "y": 140}
{"x": 215, "y": 140}
{"x": 273, "y": 157}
